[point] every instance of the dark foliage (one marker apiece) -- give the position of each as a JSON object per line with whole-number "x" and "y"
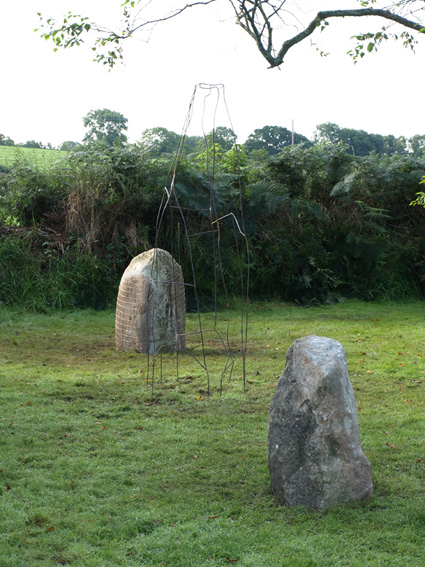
{"x": 322, "y": 224}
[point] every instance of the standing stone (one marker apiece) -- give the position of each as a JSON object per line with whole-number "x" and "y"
{"x": 315, "y": 454}
{"x": 151, "y": 307}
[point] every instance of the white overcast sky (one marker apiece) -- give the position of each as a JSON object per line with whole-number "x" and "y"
{"x": 44, "y": 95}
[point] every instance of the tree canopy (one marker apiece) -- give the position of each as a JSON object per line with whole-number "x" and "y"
{"x": 360, "y": 142}
{"x": 224, "y": 136}
{"x": 417, "y": 145}
{"x": 68, "y": 145}
{"x": 105, "y": 127}
{"x": 33, "y": 144}
{"x": 272, "y": 139}
{"x": 6, "y": 141}
{"x": 159, "y": 140}
{"x": 276, "y": 26}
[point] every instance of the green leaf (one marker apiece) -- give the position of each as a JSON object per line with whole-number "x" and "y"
{"x": 370, "y": 46}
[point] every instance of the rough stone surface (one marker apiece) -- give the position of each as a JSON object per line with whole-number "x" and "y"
{"x": 315, "y": 454}
{"x": 151, "y": 308}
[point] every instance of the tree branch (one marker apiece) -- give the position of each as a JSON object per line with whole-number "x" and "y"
{"x": 108, "y": 43}
{"x": 147, "y": 23}
{"x": 250, "y": 26}
{"x": 256, "y": 17}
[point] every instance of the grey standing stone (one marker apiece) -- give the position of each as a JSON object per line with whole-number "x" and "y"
{"x": 151, "y": 307}
{"x": 315, "y": 454}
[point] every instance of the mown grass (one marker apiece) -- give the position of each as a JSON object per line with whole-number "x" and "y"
{"x": 99, "y": 470}
{"x": 36, "y": 157}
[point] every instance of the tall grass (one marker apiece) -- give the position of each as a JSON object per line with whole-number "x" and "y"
{"x": 52, "y": 279}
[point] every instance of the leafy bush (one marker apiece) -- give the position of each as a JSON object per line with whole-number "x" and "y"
{"x": 38, "y": 277}
{"x": 321, "y": 224}
{"x": 112, "y": 198}
{"x": 329, "y": 225}
{"x": 28, "y": 193}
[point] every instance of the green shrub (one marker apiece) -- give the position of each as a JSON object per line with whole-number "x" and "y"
{"x": 40, "y": 278}
{"x": 322, "y": 224}
{"x": 29, "y": 195}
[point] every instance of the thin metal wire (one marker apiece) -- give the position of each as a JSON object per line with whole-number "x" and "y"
{"x": 170, "y": 203}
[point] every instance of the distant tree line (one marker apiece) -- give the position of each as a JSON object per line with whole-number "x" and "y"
{"x": 6, "y": 141}
{"x": 361, "y": 143}
{"x": 107, "y": 128}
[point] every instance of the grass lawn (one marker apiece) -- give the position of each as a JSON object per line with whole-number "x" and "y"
{"x": 98, "y": 470}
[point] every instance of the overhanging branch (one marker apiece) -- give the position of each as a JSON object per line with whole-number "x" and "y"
{"x": 256, "y": 17}
{"x": 147, "y": 23}
{"x": 265, "y": 47}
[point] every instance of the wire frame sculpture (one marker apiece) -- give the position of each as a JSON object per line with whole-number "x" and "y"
{"x": 211, "y": 232}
